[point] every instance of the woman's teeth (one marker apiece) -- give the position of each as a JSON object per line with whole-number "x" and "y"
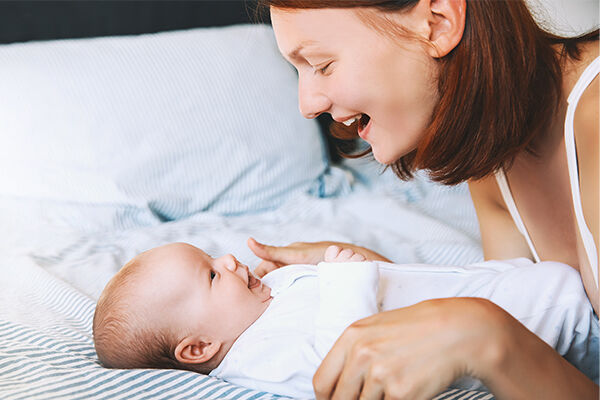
{"x": 352, "y": 120}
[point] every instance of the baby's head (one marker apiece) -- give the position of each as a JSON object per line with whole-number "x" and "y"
{"x": 174, "y": 306}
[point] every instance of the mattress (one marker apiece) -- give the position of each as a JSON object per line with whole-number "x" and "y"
{"x": 50, "y": 281}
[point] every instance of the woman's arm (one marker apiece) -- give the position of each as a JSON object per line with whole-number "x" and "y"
{"x": 300, "y": 253}
{"x": 500, "y": 237}
{"x": 525, "y": 367}
{"x": 418, "y": 351}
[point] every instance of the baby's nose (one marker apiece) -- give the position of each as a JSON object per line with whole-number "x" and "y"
{"x": 230, "y": 262}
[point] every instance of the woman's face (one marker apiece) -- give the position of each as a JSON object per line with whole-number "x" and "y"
{"x": 348, "y": 69}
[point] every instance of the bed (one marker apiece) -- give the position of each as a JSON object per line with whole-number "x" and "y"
{"x": 175, "y": 129}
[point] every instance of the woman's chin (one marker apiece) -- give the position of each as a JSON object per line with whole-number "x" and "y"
{"x": 387, "y": 156}
{"x": 384, "y": 159}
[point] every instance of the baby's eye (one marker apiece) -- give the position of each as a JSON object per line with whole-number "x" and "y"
{"x": 212, "y": 275}
{"x": 323, "y": 70}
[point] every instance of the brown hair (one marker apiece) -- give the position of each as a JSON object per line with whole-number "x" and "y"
{"x": 122, "y": 337}
{"x": 499, "y": 88}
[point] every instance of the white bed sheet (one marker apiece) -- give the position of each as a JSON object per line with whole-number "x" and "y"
{"x": 408, "y": 222}
{"x": 51, "y": 279}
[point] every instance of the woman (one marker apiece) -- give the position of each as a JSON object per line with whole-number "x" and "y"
{"x": 470, "y": 91}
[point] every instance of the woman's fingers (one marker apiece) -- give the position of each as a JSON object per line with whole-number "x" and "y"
{"x": 261, "y": 250}
{"x": 264, "y": 252}
{"x": 280, "y": 255}
{"x": 372, "y": 389}
{"x": 406, "y": 353}
{"x": 294, "y": 253}
{"x": 332, "y": 366}
{"x": 350, "y": 383}
{"x": 264, "y": 268}
{"x": 359, "y": 357}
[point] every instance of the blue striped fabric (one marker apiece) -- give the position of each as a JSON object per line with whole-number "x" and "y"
{"x": 49, "y": 354}
{"x": 128, "y": 131}
{"x": 48, "y": 288}
{"x": 46, "y": 348}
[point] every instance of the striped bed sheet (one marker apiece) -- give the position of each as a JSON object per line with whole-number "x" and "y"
{"x": 48, "y": 289}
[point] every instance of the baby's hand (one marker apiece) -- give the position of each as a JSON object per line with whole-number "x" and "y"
{"x": 337, "y": 254}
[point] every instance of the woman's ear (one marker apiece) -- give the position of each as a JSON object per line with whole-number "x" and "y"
{"x": 446, "y": 24}
{"x": 196, "y": 350}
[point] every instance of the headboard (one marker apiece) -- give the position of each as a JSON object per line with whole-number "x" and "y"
{"x": 27, "y": 20}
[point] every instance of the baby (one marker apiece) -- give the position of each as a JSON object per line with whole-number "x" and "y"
{"x": 175, "y": 306}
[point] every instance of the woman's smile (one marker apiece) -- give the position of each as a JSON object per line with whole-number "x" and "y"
{"x": 391, "y": 94}
{"x": 364, "y": 126}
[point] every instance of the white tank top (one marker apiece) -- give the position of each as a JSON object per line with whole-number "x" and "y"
{"x": 588, "y": 240}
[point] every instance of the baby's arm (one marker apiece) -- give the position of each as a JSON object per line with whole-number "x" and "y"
{"x": 337, "y": 254}
{"x": 347, "y": 292}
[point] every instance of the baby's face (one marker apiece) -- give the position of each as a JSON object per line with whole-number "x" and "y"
{"x": 194, "y": 292}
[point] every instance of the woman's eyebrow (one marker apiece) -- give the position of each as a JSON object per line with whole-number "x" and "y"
{"x": 296, "y": 54}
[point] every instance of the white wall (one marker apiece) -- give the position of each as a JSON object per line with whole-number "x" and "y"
{"x": 567, "y": 17}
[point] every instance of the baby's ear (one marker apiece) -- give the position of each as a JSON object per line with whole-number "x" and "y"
{"x": 196, "y": 350}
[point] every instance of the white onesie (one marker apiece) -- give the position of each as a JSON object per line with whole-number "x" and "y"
{"x": 312, "y": 305}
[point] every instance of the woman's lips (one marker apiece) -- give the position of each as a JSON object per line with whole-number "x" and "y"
{"x": 363, "y": 131}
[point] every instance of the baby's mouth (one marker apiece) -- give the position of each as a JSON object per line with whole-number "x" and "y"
{"x": 252, "y": 281}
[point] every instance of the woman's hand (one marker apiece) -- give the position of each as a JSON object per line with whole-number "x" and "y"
{"x": 411, "y": 353}
{"x": 278, "y": 256}
{"x": 418, "y": 351}
{"x": 300, "y": 253}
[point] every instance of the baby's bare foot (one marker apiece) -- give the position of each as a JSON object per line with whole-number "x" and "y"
{"x": 337, "y": 254}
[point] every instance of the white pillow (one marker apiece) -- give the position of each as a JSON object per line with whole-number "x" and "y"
{"x": 172, "y": 123}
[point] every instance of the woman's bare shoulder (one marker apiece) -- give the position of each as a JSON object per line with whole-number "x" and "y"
{"x": 500, "y": 238}
{"x": 486, "y": 190}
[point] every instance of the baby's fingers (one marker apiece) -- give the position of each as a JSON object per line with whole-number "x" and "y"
{"x": 357, "y": 257}
{"x": 331, "y": 253}
{"x": 345, "y": 255}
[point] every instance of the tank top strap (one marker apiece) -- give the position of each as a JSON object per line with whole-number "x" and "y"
{"x": 514, "y": 212}
{"x": 583, "y": 82}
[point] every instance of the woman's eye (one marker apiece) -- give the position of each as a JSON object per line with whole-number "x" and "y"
{"x": 212, "y": 275}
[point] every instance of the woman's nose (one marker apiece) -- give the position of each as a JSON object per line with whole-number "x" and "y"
{"x": 311, "y": 100}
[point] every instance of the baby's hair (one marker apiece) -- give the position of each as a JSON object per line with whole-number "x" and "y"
{"x": 122, "y": 335}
